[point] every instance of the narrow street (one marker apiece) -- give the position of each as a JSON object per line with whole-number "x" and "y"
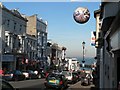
{"x": 35, "y": 83}
{"x": 39, "y": 84}
{"x": 56, "y": 42}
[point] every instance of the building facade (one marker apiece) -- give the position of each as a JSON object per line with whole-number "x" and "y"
{"x": 24, "y": 42}
{"x": 110, "y": 15}
{"x": 38, "y": 28}
{"x": 30, "y": 47}
{"x": 99, "y": 48}
{"x": 72, "y": 64}
{"x": 54, "y": 53}
{"x": 13, "y": 40}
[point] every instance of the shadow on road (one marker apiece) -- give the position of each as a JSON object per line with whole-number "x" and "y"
{"x": 94, "y": 88}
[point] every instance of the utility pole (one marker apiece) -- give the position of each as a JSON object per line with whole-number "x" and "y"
{"x": 83, "y": 45}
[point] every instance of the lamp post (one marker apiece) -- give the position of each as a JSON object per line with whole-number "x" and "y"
{"x": 81, "y": 15}
{"x": 83, "y": 45}
{"x": 63, "y": 56}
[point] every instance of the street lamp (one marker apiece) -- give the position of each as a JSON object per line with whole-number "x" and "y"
{"x": 83, "y": 45}
{"x": 81, "y": 15}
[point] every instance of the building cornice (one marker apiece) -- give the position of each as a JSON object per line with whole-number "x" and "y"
{"x": 96, "y": 12}
{"x": 101, "y": 8}
{"x": 9, "y": 11}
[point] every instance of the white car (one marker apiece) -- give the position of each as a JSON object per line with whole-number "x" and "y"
{"x": 26, "y": 74}
{"x": 38, "y": 74}
{"x": 69, "y": 76}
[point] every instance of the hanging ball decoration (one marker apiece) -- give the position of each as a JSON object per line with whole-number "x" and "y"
{"x": 81, "y": 15}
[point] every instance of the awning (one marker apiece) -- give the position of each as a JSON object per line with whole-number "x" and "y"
{"x": 7, "y": 58}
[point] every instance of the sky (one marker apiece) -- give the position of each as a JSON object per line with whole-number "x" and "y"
{"x": 62, "y": 28}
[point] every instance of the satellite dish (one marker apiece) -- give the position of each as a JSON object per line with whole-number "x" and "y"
{"x": 81, "y": 15}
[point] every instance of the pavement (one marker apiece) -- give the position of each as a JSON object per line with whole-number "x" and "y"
{"x": 78, "y": 86}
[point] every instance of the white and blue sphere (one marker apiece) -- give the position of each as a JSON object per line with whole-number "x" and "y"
{"x": 81, "y": 15}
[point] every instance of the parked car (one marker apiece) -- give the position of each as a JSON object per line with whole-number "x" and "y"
{"x": 77, "y": 76}
{"x": 6, "y": 85}
{"x": 8, "y": 76}
{"x": 86, "y": 80}
{"x": 57, "y": 81}
{"x": 40, "y": 73}
{"x": 14, "y": 75}
{"x": 26, "y": 74}
{"x": 71, "y": 78}
{"x": 32, "y": 75}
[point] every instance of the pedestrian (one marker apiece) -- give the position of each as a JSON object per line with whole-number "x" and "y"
{"x": 83, "y": 74}
{"x": 46, "y": 74}
{"x": 1, "y": 72}
{"x": 94, "y": 77}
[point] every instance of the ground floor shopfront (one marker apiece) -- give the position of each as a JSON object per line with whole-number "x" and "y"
{"x": 20, "y": 62}
{"x": 8, "y": 62}
{"x": 12, "y": 62}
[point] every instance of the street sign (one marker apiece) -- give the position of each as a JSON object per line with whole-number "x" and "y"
{"x": 92, "y": 39}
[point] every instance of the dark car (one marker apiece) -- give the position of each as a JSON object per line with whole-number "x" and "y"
{"x": 84, "y": 81}
{"x": 14, "y": 75}
{"x": 70, "y": 76}
{"x": 40, "y": 73}
{"x": 77, "y": 75}
{"x": 32, "y": 75}
{"x": 57, "y": 81}
{"x": 6, "y": 85}
{"x": 7, "y": 76}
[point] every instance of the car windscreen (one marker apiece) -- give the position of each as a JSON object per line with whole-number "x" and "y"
{"x": 66, "y": 73}
{"x": 53, "y": 76}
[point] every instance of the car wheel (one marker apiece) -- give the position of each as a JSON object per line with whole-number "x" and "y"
{"x": 65, "y": 86}
{"x": 16, "y": 79}
{"x": 30, "y": 78}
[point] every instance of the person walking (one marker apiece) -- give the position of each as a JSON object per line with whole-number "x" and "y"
{"x": 1, "y": 72}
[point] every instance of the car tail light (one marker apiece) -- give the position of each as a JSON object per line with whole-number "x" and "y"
{"x": 61, "y": 82}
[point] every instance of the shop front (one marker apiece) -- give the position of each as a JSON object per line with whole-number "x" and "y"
{"x": 8, "y": 62}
